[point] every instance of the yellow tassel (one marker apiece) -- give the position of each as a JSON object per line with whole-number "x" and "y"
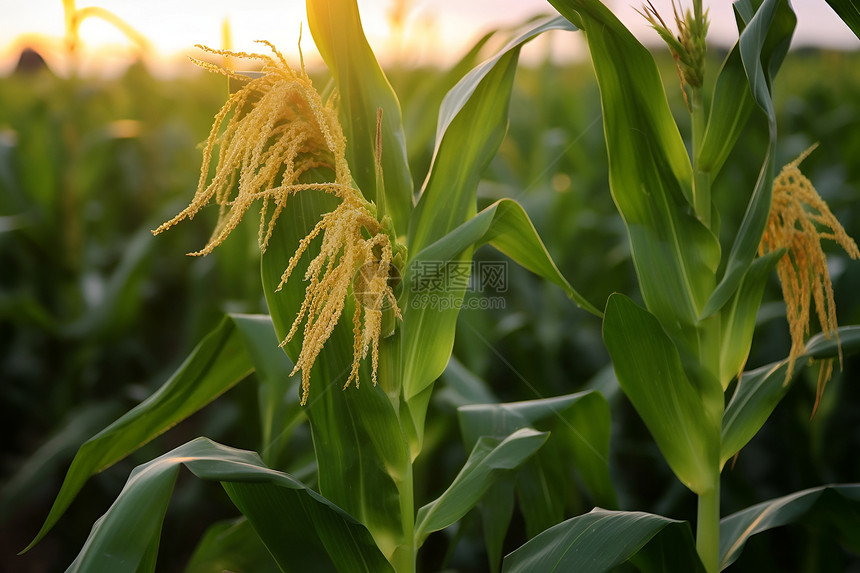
{"x": 799, "y": 219}
{"x": 263, "y": 151}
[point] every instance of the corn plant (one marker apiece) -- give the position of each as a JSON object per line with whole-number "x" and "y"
{"x": 680, "y": 360}
{"x": 364, "y": 281}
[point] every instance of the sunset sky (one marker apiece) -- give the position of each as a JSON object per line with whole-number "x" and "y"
{"x": 434, "y": 31}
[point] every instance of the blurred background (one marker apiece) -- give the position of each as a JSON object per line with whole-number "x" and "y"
{"x": 101, "y": 115}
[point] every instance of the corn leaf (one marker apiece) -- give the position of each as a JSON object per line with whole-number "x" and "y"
{"x": 763, "y": 44}
{"x": 760, "y": 390}
{"x": 650, "y": 176}
{"x": 504, "y": 225}
{"x": 497, "y": 510}
{"x": 849, "y": 11}
{"x": 472, "y": 122}
{"x": 363, "y": 89}
{"x": 579, "y": 427}
{"x": 353, "y": 429}
{"x": 847, "y": 339}
{"x": 739, "y": 317}
{"x": 649, "y": 370}
{"x": 838, "y": 505}
{"x": 231, "y": 545}
{"x": 731, "y": 107}
{"x": 757, "y": 394}
{"x": 302, "y": 530}
{"x": 601, "y": 540}
{"x": 489, "y": 459}
{"x": 220, "y": 361}
{"x": 418, "y": 121}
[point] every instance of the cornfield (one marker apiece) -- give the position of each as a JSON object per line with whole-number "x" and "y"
{"x": 582, "y": 317}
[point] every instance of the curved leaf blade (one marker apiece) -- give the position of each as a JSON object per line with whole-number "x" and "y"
{"x": 601, "y": 540}
{"x": 300, "y": 528}
{"x": 218, "y": 362}
{"x": 650, "y": 175}
{"x": 490, "y": 459}
{"x": 579, "y": 424}
{"x": 731, "y": 107}
{"x": 841, "y": 500}
{"x": 649, "y": 370}
{"x": 760, "y": 390}
{"x": 472, "y": 123}
{"x": 578, "y": 445}
{"x": 506, "y": 226}
{"x": 739, "y": 317}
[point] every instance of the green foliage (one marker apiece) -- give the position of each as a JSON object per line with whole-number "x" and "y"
{"x": 836, "y": 504}
{"x": 601, "y": 540}
{"x": 221, "y": 360}
{"x": 126, "y": 538}
{"x": 378, "y": 471}
{"x": 649, "y": 370}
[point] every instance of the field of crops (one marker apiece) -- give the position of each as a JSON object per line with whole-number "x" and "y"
{"x": 548, "y": 372}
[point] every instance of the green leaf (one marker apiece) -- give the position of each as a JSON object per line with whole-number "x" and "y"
{"x": 731, "y": 107}
{"x": 763, "y": 44}
{"x": 838, "y": 504}
{"x": 579, "y": 427}
{"x": 231, "y": 545}
{"x": 847, "y": 338}
{"x": 420, "y": 109}
{"x": 650, "y": 177}
{"x": 363, "y": 89}
{"x": 302, "y": 530}
{"x": 757, "y": 394}
{"x": 504, "y": 225}
{"x": 649, "y": 370}
{"x": 601, "y": 539}
{"x": 739, "y": 317}
{"x": 214, "y": 366}
{"x": 472, "y": 123}
{"x": 760, "y": 390}
{"x": 849, "y": 11}
{"x": 511, "y": 232}
{"x": 489, "y": 458}
{"x": 497, "y": 510}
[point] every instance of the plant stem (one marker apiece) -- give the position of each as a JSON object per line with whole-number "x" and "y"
{"x": 701, "y": 179}
{"x": 708, "y": 528}
{"x": 403, "y": 559}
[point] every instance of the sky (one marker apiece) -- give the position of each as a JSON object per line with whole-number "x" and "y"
{"x": 434, "y": 31}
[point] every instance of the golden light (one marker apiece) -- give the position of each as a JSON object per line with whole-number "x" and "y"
{"x": 412, "y": 32}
